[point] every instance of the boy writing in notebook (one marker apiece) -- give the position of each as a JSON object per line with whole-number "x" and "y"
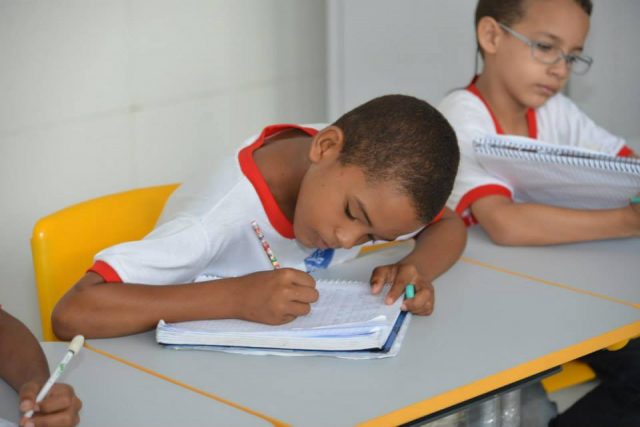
{"x": 383, "y": 171}
{"x": 24, "y": 367}
{"x": 529, "y": 49}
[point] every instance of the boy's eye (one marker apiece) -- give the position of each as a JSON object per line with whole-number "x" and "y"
{"x": 347, "y": 212}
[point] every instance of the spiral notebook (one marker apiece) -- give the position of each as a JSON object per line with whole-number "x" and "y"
{"x": 346, "y": 318}
{"x": 559, "y": 175}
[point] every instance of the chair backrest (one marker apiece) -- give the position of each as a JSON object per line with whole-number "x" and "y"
{"x": 63, "y": 244}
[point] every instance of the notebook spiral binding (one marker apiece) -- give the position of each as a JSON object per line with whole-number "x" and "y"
{"x": 561, "y": 155}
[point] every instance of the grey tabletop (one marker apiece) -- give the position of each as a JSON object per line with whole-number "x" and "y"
{"x": 489, "y": 329}
{"x": 115, "y": 394}
{"x": 608, "y": 267}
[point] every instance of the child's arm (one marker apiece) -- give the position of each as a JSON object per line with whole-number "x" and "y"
{"x": 509, "y": 223}
{"x": 24, "y": 367}
{"x": 97, "y": 309}
{"x": 437, "y": 248}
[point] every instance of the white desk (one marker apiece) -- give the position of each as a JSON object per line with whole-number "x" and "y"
{"x": 489, "y": 330}
{"x": 609, "y": 267}
{"x": 114, "y": 394}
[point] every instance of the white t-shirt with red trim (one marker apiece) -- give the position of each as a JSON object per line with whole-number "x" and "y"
{"x": 558, "y": 121}
{"x": 205, "y": 229}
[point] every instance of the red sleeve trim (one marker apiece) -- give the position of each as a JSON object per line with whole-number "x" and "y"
{"x": 480, "y": 192}
{"x": 625, "y": 151}
{"x": 437, "y": 218}
{"x": 105, "y": 271}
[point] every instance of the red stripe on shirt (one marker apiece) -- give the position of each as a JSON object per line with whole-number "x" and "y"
{"x": 104, "y": 270}
{"x": 625, "y": 151}
{"x": 532, "y": 122}
{"x": 249, "y": 168}
{"x": 478, "y": 193}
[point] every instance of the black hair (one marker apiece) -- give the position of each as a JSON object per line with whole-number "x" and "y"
{"x": 509, "y": 12}
{"x": 402, "y": 139}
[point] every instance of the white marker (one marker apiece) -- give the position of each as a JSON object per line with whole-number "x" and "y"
{"x": 74, "y": 348}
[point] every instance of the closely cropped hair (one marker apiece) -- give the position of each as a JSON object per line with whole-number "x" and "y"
{"x": 404, "y": 140}
{"x": 509, "y": 12}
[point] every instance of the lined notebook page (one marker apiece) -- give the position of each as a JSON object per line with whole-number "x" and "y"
{"x": 559, "y": 175}
{"x": 342, "y": 304}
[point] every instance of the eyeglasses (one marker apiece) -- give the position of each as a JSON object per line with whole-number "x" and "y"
{"x": 548, "y": 54}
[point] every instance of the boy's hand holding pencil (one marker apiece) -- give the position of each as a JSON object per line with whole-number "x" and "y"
{"x": 275, "y": 297}
{"x": 278, "y": 296}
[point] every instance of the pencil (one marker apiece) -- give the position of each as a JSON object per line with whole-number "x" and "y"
{"x": 265, "y": 245}
{"x": 74, "y": 348}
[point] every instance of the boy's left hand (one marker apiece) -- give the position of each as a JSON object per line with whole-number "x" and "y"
{"x": 400, "y": 275}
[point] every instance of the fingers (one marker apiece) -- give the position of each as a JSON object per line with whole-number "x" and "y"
{"x": 304, "y": 294}
{"x": 380, "y": 276}
{"x": 28, "y": 393}
{"x": 423, "y": 302}
{"x": 297, "y": 277}
{"x": 58, "y": 409}
{"x": 66, "y": 418}
{"x": 60, "y": 397}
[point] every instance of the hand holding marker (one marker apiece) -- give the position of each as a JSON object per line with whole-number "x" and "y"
{"x": 74, "y": 348}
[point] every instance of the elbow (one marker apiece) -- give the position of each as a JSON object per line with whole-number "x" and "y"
{"x": 65, "y": 320}
{"x": 70, "y": 315}
{"x": 501, "y": 231}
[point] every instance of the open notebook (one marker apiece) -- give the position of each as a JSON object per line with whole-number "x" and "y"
{"x": 346, "y": 318}
{"x": 559, "y": 175}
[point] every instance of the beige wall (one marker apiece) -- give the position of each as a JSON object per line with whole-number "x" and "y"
{"x": 103, "y": 96}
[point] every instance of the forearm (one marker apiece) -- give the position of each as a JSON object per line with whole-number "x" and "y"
{"x": 534, "y": 224}
{"x": 21, "y": 358}
{"x": 96, "y": 309}
{"x": 438, "y": 247}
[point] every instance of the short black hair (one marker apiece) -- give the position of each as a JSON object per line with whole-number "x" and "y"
{"x": 402, "y": 139}
{"x": 509, "y": 12}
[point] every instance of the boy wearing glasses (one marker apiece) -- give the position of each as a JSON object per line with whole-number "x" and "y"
{"x": 529, "y": 50}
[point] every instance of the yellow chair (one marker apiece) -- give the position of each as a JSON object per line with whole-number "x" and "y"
{"x": 574, "y": 373}
{"x": 63, "y": 244}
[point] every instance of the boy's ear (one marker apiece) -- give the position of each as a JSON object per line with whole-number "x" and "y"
{"x": 489, "y": 34}
{"x": 326, "y": 144}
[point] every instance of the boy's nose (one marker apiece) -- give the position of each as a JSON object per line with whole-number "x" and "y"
{"x": 348, "y": 237}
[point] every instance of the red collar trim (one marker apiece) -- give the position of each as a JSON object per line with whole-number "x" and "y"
{"x": 532, "y": 123}
{"x": 249, "y": 168}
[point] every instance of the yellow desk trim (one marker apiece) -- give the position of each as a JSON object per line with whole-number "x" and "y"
{"x": 212, "y": 396}
{"x": 504, "y": 378}
{"x": 548, "y": 282}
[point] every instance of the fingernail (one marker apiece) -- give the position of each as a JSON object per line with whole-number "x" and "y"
{"x": 29, "y": 424}
{"x": 403, "y": 307}
{"x": 24, "y": 405}
{"x": 388, "y": 301}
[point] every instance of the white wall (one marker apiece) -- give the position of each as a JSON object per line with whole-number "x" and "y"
{"x": 104, "y": 96}
{"x": 426, "y": 48}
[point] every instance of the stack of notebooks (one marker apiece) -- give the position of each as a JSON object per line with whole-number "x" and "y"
{"x": 559, "y": 175}
{"x": 346, "y": 321}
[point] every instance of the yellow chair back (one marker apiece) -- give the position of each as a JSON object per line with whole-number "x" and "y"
{"x": 63, "y": 244}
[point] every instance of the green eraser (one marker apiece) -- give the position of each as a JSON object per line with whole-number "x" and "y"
{"x": 409, "y": 291}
